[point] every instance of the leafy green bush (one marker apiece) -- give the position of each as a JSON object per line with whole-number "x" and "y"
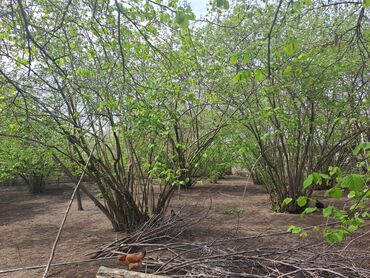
{"x": 32, "y": 163}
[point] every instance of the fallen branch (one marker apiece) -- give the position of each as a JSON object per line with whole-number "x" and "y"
{"x": 55, "y": 264}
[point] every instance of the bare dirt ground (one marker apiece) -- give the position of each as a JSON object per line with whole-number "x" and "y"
{"x": 29, "y": 224}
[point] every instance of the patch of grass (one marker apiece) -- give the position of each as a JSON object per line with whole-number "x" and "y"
{"x": 99, "y": 195}
{"x": 199, "y": 183}
{"x": 67, "y": 194}
{"x": 231, "y": 211}
{"x": 213, "y": 179}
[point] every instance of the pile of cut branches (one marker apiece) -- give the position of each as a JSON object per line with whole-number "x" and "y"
{"x": 170, "y": 255}
{"x": 158, "y": 230}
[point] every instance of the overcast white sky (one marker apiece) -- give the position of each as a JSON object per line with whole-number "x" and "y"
{"x": 199, "y": 7}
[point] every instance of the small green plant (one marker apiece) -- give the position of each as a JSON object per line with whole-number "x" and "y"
{"x": 67, "y": 194}
{"x": 354, "y": 185}
{"x": 214, "y": 177}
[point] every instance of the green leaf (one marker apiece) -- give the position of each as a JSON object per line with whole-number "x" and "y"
{"x": 308, "y": 181}
{"x": 366, "y": 4}
{"x": 182, "y": 19}
{"x": 259, "y": 74}
{"x": 302, "y": 55}
{"x": 287, "y": 201}
{"x": 219, "y": 3}
{"x": 287, "y": 70}
{"x": 241, "y": 77}
{"x": 302, "y": 201}
{"x": 234, "y": 59}
{"x": 237, "y": 78}
{"x": 351, "y": 194}
{"x": 352, "y": 228}
{"x": 354, "y": 182}
{"x": 335, "y": 237}
{"x": 245, "y": 59}
{"x": 91, "y": 53}
{"x": 326, "y": 212}
{"x": 340, "y": 214}
{"x": 294, "y": 229}
{"x": 309, "y": 210}
{"x": 3, "y": 35}
{"x": 316, "y": 178}
{"x": 336, "y": 193}
{"x": 222, "y": 4}
{"x": 325, "y": 176}
{"x": 363, "y": 146}
{"x": 290, "y": 47}
{"x": 357, "y": 206}
{"x": 152, "y": 29}
{"x": 334, "y": 171}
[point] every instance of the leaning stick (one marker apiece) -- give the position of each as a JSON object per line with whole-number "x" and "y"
{"x": 65, "y": 216}
{"x": 249, "y": 175}
{"x": 250, "y": 172}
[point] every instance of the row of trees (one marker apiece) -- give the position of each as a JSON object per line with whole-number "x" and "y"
{"x": 157, "y": 97}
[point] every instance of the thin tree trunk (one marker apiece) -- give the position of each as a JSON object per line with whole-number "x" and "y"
{"x": 79, "y": 202}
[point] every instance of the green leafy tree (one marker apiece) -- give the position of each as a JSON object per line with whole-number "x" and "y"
{"x": 299, "y": 89}
{"x": 106, "y": 78}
